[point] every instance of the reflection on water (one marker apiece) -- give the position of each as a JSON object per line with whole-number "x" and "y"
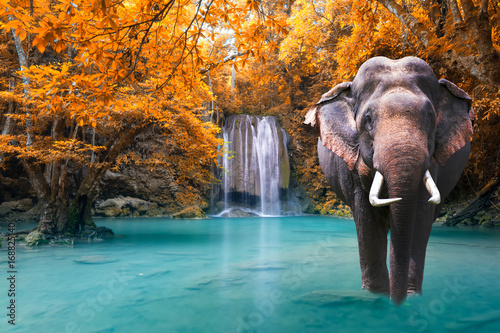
{"x": 294, "y": 274}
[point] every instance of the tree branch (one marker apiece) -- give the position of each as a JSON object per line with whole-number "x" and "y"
{"x": 455, "y": 11}
{"x": 37, "y": 180}
{"x": 408, "y": 20}
{"x": 91, "y": 181}
{"x": 469, "y": 8}
{"x": 226, "y": 59}
{"x": 185, "y": 35}
{"x": 484, "y": 6}
{"x": 158, "y": 17}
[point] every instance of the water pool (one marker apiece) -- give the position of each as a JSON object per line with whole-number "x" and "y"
{"x": 292, "y": 274}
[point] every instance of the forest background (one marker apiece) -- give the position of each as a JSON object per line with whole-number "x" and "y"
{"x": 83, "y": 81}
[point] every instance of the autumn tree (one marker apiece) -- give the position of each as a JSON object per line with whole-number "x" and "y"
{"x": 95, "y": 74}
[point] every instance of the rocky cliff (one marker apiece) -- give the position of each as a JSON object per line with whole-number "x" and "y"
{"x": 143, "y": 189}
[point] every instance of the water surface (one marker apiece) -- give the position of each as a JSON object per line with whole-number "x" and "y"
{"x": 294, "y": 274}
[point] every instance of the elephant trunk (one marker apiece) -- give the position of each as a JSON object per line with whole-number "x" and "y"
{"x": 403, "y": 175}
{"x": 402, "y": 221}
{"x": 401, "y": 225}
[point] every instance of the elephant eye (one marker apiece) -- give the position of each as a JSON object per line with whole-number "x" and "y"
{"x": 368, "y": 121}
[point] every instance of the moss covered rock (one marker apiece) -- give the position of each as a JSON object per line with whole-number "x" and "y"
{"x": 193, "y": 212}
{"x": 125, "y": 206}
{"x": 35, "y": 238}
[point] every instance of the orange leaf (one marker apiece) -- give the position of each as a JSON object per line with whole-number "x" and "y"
{"x": 113, "y": 24}
{"x": 40, "y": 44}
{"x": 59, "y": 46}
{"x": 12, "y": 24}
{"x": 22, "y": 34}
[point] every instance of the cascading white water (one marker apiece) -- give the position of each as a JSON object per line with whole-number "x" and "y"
{"x": 267, "y": 144}
{"x": 256, "y": 167}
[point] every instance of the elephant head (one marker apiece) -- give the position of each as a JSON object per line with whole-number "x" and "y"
{"x": 397, "y": 119}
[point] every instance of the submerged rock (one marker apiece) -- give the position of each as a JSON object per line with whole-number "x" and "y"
{"x": 339, "y": 297}
{"x": 469, "y": 323}
{"x": 97, "y": 259}
{"x": 104, "y": 232}
{"x": 36, "y": 237}
{"x": 218, "y": 282}
{"x": 156, "y": 273}
{"x": 251, "y": 267}
{"x": 182, "y": 254}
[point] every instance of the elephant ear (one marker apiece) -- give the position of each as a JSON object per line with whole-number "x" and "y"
{"x": 454, "y": 121}
{"x": 337, "y": 127}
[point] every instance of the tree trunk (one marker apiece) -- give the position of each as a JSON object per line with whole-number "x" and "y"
{"x": 412, "y": 23}
{"x": 473, "y": 52}
{"x": 482, "y": 202}
{"x": 23, "y": 63}
{"x": 65, "y": 216}
{"x": 480, "y": 32}
{"x": 60, "y": 212}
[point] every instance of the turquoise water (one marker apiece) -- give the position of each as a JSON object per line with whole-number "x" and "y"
{"x": 293, "y": 274}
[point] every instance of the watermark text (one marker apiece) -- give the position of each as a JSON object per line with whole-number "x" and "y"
{"x": 11, "y": 274}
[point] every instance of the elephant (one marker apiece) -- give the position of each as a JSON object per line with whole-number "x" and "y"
{"x": 392, "y": 145}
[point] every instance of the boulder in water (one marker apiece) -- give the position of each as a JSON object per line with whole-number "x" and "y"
{"x": 193, "y": 212}
{"x": 35, "y": 238}
{"x": 237, "y": 212}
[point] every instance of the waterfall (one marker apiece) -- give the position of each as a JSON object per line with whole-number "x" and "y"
{"x": 256, "y": 167}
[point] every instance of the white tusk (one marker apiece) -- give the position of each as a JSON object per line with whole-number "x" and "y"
{"x": 375, "y": 201}
{"x": 432, "y": 188}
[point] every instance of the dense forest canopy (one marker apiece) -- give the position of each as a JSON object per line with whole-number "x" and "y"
{"x": 95, "y": 74}
{"x": 81, "y": 79}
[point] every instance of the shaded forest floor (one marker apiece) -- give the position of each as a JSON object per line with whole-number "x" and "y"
{"x": 474, "y": 209}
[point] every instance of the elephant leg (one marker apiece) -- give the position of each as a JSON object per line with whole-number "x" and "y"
{"x": 372, "y": 242}
{"x": 421, "y": 233}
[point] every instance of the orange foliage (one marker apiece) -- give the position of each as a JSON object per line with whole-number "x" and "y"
{"x": 104, "y": 68}
{"x": 327, "y": 42}
{"x": 99, "y": 72}
{"x": 116, "y": 64}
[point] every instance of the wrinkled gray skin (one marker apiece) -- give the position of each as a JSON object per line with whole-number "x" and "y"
{"x": 397, "y": 118}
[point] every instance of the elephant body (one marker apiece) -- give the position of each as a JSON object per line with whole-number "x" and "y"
{"x": 397, "y": 120}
